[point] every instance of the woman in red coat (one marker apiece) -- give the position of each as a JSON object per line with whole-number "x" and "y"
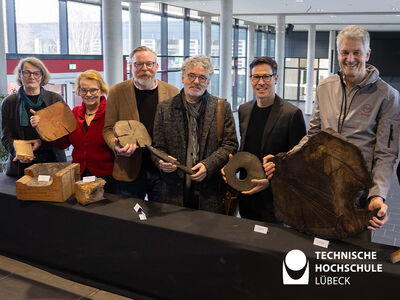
{"x": 90, "y": 150}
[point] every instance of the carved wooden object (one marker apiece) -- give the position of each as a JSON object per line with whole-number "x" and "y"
{"x": 167, "y": 158}
{"x": 317, "y": 187}
{"x": 131, "y": 132}
{"x": 251, "y": 167}
{"x": 56, "y": 121}
{"x": 58, "y": 189}
{"x": 89, "y": 192}
{"x": 22, "y": 149}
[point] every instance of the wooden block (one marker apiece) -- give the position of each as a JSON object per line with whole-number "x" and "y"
{"x": 58, "y": 189}
{"x": 131, "y": 132}
{"x": 22, "y": 149}
{"x": 56, "y": 121}
{"x": 395, "y": 257}
{"x": 89, "y": 192}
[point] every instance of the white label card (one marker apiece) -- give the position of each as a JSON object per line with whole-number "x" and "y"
{"x": 44, "y": 178}
{"x": 260, "y": 229}
{"x": 137, "y": 207}
{"x": 142, "y": 216}
{"x": 89, "y": 179}
{"x": 321, "y": 243}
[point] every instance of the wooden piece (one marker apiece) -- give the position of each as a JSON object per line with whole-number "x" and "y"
{"x": 22, "y": 149}
{"x": 251, "y": 166}
{"x": 395, "y": 257}
{"x": 317, "y": 187}
{"x": 56, "y": 121}
{"x": 167, "y": 158}
{"x": 131, "y": 132}
{"x": 89, "y": 192}
{"x": 58, "y": 189}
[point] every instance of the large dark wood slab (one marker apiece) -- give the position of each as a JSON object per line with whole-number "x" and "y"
{"x": 317, "y": 187}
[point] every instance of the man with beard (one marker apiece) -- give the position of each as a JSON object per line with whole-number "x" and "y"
{"x": 136, "y": 99}
{"x": 358, "y": 104}
{"x": 185, "y": 127}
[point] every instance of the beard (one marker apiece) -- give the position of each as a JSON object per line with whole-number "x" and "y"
{"x": 145, "y": 78}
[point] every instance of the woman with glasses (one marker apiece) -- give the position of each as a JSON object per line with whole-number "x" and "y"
{"x": 90, "y": 150}
{"x": 32, "y": 75}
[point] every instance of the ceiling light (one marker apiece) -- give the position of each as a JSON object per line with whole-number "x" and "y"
{"x": 299, "y": 1}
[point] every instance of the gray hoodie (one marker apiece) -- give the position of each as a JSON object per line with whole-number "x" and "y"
{"x": 371, "y": 121}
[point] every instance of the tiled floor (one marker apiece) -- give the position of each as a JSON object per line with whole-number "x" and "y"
{"x": 20, "y": 281}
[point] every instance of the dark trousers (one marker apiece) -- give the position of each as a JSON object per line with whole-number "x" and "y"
{"x": 147, "y": 182}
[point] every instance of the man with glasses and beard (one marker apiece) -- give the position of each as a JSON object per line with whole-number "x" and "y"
{"x": 136, "y": 99}
{"x": 185, "y": 127}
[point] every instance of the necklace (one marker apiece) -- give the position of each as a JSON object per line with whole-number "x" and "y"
{"x": 90, "y": 114}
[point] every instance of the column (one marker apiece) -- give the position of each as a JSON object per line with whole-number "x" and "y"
{"x": 3, "y": 61}
{"x": 250, "y": 57}
{"x": 331, "y": 54}
{"x": 280, "y": 51}
{"x": 225, "y": 50}
{"x": 112, "y": 41}
{"x": 206, "y": 47}
{"x": 310, "y": 69}
{"x": 134, "y": 25}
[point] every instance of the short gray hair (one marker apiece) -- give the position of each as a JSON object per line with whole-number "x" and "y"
{"x": 202, "y": 61}
{"x": 35, "y": 62}
{"x": 354, "y": 33}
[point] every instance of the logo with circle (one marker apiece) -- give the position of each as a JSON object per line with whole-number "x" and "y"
{"x": 295, "y": 268}
{"x": 366, "y": 108}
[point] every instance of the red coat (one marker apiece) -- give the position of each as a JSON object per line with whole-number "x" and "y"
{"x": 90, "y": 150}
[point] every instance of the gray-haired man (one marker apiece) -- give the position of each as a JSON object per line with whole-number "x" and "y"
{"x": 185, "y": 127}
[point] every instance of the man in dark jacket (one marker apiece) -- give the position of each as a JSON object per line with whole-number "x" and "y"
{"x": 185, "y": 127}
{"x": 268, "y": 125}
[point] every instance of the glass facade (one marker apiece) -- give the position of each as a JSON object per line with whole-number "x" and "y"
{"x": 84, "y": 28}
{"x": 174, "y": 33}
{"x": 38, "y": 32}
{"x": 296, "y": 77}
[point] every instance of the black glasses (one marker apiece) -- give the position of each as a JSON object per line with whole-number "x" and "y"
{"x": 91, "y": 91}
{"x": 266, "y": 78}
{"x": 28, "y": 74}
{"x": 148, "y": 64}
{"x": 202, "y": 79}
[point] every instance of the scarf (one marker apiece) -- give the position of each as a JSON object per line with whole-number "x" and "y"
{"x": 25, "y": 101}
{"x": 194, "y": 112}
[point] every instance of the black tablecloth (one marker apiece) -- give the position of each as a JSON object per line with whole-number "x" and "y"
{"x": 177, "y": 253}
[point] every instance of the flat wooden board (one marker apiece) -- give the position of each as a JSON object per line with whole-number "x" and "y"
{"x": 22, "y": 149}
{"x": 317, "y": 188}
{"x": 56, "y": 121}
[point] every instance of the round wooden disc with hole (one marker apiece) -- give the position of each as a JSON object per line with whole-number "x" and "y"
{"x": 251, "y": 166}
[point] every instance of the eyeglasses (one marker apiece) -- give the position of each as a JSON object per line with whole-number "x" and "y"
{"x": 86, "y": 91}
{"x": 148, "y": 64}
{"x": 266, "y": 77}
{"x": 28, "y": 74}
{"x": 202, "y": 79}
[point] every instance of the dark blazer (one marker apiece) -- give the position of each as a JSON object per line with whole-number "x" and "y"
{"x": 11, "y": 130}
{"x": 284, "y": 129}
{"x": 170, "y": 134}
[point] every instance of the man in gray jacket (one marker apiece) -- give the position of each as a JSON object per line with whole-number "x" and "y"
{"x": 358, "y": 104}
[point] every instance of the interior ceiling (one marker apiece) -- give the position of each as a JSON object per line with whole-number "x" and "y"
{"x": 381, "y": 15}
